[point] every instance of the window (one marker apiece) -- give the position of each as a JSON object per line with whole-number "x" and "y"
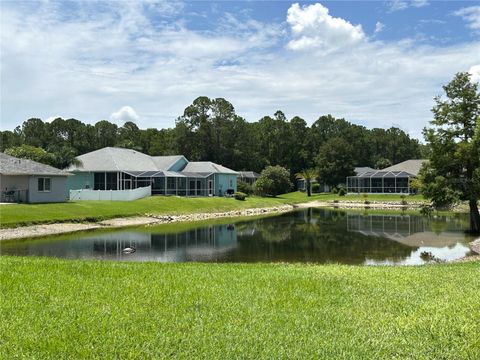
{"x": 99, "y": 181}
{"x": 44, "y": 184}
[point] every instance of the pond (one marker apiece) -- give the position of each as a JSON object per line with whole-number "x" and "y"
{"x": 308, "y": 235}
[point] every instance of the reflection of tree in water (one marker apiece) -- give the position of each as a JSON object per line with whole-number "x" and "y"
{"x": 315, "y": 235}
{"x": 438, "y": 225}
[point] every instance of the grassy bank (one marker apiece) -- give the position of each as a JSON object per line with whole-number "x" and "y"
{"x": 26, "y": 214}
{"x": 54, "y": 309}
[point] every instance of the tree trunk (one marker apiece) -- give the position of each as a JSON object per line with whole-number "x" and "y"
{"x": 474, "y": 217}
{"x": 309, "y": 188}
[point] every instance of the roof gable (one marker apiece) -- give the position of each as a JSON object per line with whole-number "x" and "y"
{"x": 208, "y": 167}
{"x": 114, "y": 159}
{"x": 410, "y": 166}
{"x": 11, "y": 165}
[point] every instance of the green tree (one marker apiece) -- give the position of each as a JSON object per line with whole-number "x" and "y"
{"x": 33, "y": 132}
{"x": 382, "y": 163}
{"x": 335, "y": 161}
{"x": 105, "y": 134}
{"x": 452, "y": 172}
{"x": 9, "y": 139}
{"x": 307, "y": 175}
{"x": 273, "y": 181}
{"x": 32, "y": 153}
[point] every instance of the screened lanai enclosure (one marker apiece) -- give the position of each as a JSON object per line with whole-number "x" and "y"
{"x": 382, "y": 182}
{"x": 162, "y": 182}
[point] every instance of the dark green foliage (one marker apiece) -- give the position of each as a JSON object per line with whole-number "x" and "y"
{"x": 244, "y": 187}
{"x": 316, "y": 188}
{"x": 335, "y": 161}
{"x": 453, "y": 171}
{"x": 382, "y": 163}
{"x": 342, "y": 191}
{"x": 240, "y": 196}
{"x": 273, "y": 181}
{"x": 426, "y": 209}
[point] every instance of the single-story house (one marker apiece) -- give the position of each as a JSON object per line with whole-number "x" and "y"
{"x": 391, "y": 180}
{"x": 248, "y": 176}
{"x": 23, "y": 180}
{"x": 114, "y": 168}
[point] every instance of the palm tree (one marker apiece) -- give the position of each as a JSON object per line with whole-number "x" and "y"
{"x": 308, "y": 175}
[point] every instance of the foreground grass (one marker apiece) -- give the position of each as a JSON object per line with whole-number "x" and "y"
{"x": 26, "y": 214}
{"x": 54, "y": 309}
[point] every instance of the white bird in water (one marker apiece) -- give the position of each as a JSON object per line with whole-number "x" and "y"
{"x": 129, "y": 250}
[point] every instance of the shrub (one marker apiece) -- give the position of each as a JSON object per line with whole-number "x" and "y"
{"x": 273, "y": 181}
{"x": 426, "y": 209}
{"x": 334, "y": 190}
{"x": 240, "y": 195}
{"x": 342, "y": 192}
{"x": 316, "y": 188}
{"x": 244, "y": 187}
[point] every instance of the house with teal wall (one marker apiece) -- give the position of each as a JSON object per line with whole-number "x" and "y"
{"x": 114, "y": 169}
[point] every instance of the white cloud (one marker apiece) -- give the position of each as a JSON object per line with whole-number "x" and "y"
{"x": 379, "y": 27}
{"x": 475, "y": 73}
{"x": 313, "y": 27}
{"x": 396, "y": 5}
{"x": 104, "y": 60}
{"x": 471, "y": 15}
{"x": 126, "y": 113}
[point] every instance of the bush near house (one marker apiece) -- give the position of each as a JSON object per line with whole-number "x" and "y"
{"x": 240, "y": 195}
{"x": 273, "y": 181}
{"x": 316, "y": 188}
{"x": 244, "y": 187}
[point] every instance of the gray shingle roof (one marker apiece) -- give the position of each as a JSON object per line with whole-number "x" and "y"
{"x": 10, "y": 165}
{"x": 165, "y": 162}
{"x": 364, "y": 169}
{"x": 120, "y": 159}
{"x": 207, "y": 167}
{"x": 409, "y": 166}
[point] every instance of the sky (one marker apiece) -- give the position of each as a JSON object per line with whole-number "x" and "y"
{"x": 374, "y": 63}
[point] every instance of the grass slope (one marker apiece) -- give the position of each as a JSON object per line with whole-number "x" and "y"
{"x": 53, "y": 309}
{"x": 25, "y": 214}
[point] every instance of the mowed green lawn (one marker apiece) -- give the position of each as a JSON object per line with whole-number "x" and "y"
{"x": 25, "y": 214}
{"x": 61, "y": 309}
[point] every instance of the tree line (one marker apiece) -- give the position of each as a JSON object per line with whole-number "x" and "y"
{"x": 210, "y": 129}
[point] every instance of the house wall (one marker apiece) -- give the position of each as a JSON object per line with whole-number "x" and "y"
{"x": 58, "y": 192}
{"x": 13, "y": 182}
{"x": 179, "y": 165}
{"x": 223, "y": 182}
{"x": 81, "y": 180}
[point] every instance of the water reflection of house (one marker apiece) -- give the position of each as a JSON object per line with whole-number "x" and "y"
{"x": 409, "y": 230}
{"x": 206, "y": 243}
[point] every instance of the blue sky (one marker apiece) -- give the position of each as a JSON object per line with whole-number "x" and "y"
{"x": 375, "y": 63}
